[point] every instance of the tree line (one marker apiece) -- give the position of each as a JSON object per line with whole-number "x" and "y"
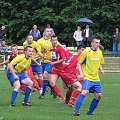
{"x": 20, "y": 16}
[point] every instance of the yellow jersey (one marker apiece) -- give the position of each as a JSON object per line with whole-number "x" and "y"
{"x": 35, "y": 47}
{"x": 45, "y": 46}
{"x": 20, "y": 63}
{"x": 92, "y": 61}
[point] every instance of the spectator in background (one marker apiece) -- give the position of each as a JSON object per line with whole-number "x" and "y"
{"x": 35, "y": 33}
{"x": 3, "y": 35}
{"x": 116, "y": 41}
{"x": 78, "y": 36}
{"x": 87, "y": 36}
{"x": 52, "y": 31}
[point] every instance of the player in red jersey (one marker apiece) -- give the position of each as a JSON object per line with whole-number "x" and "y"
{"x": 69, "y": 74}
{"x": 59, "y": 55}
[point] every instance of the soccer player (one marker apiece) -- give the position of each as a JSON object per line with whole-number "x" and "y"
{"x": 59, "y": 55}
{"x": 93, "y": 58}
{"x": 37, "y": 70}
{"x": 15, "y": 52}
{"x": 72, "y": 71}
{"x": 16, "y": 76}
{"x": 45, "y": 45}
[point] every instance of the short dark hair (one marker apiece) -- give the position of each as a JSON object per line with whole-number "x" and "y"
{"x": 26, "y": 48}
{"x": 54, "y": 36}
{"x": 80, "y": 46}
{"x": 13, "y": 45}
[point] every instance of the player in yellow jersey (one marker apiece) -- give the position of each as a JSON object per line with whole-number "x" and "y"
{"x": 93, "y": 59}
{"x": 45, "y": 45}
{"x": 37, "y": 70}
{"x": 16, "y": 76}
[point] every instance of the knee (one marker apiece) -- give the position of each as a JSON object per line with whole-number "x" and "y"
{"x": 45, "y": 77}
{"x": 99, "y": 96}
{"x": 84, "y": 92}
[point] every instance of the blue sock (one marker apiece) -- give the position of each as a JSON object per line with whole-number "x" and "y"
{"x": 93, "y": 105}
{"x": 14, "y": 96}
{"x": 27, "y": 94}
{"x": 78, "y": 102}
{"x": 44, "y": 86}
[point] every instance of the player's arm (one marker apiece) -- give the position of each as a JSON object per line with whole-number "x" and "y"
{"x": 38, "y": 64}
{"x": 79, "y": 67}
{"x": 101, "y": 70}
{"x": 5, "y": 62}
{"x": 58, "y": 61}
{"x": 12, "y": 71}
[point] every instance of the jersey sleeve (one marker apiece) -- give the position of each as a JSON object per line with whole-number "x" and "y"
{"x": 17, "y": 59}
{"x": 10, "y": 58}
{"x": 82, "y": 57}
{"x": 62, "y": 52}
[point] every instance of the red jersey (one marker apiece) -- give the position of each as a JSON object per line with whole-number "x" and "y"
{"x": 13, "y": 56}
{"x": 71, "y": 63}
{"x": 58, "y": 53}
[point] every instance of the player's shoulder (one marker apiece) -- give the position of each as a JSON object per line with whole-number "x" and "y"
{"x": 24, "y": 43}
{"x": 87, "y": 49}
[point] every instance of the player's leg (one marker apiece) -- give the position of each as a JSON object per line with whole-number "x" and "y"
{"x": 78, "y": 87}
{"x": 79, "y": 100}
{"x": 44, "y": 83}
{"x": 53, "y": 78}
{"x": 95, "y": 101}
{"x": 16, "y": 86}
{"x": 29, "y": 84}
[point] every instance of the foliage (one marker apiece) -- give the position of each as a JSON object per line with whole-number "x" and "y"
{"x": 19, "y": 17}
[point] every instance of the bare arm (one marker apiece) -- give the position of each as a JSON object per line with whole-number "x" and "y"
{"x": 81, "y": 76}
{"x": 101, "y": 70}
{"x": 5, "y": 62}
{"x": 13, "y": 72}
{"x": 58, "y": 61}
{"x": 38, "y": 64}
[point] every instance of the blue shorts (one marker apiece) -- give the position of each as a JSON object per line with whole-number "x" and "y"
{"x": 91, "y": 86}
{"x": 35, "y": 68}
{"x": 47, "y": 67}
{"x": 10, "y": 77}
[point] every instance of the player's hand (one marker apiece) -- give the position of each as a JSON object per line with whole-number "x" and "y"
{"x": 52, "y": 63}
{"x": 80, "y": 77}
{"x": 102, "y": 72}
{"x": 63, "y": 59}
{"x": 16, "y": 77}
{"x": 38, "y": 64}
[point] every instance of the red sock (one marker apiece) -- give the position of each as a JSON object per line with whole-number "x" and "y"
{"x": 23, "y": 88}
{"x": 39, "y": 82}
{"x": 68, "y": 96}
{"x": 74, "y": 96}
{"x": 57, "y": 91}
{"x": 36, "y": 86}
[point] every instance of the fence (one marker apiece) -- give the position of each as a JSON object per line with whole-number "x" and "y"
{"x": 112, "y": 63}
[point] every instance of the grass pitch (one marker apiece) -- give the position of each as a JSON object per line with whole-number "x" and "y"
{"x": 50, "y": 108}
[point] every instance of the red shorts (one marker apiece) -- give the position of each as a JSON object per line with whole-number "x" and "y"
{"x": 68, "y": 78}
{"x": 55, "y": 71}
{"x": 30, "y": 74}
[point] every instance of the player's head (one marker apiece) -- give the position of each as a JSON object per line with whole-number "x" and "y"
{"x": 29, "y": 39}
{"x": 80, "y": 48}
{"x": 64, "y": 46}
{"x": 54, "y": 40}
{"x": 28, "y": 51}
{"x": 14, "y": 49}
{"x": 47, "y": 33}
{"x": 95, "y": 43}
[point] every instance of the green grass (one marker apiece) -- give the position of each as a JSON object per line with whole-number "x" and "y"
{"x": 52, "y": 109}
